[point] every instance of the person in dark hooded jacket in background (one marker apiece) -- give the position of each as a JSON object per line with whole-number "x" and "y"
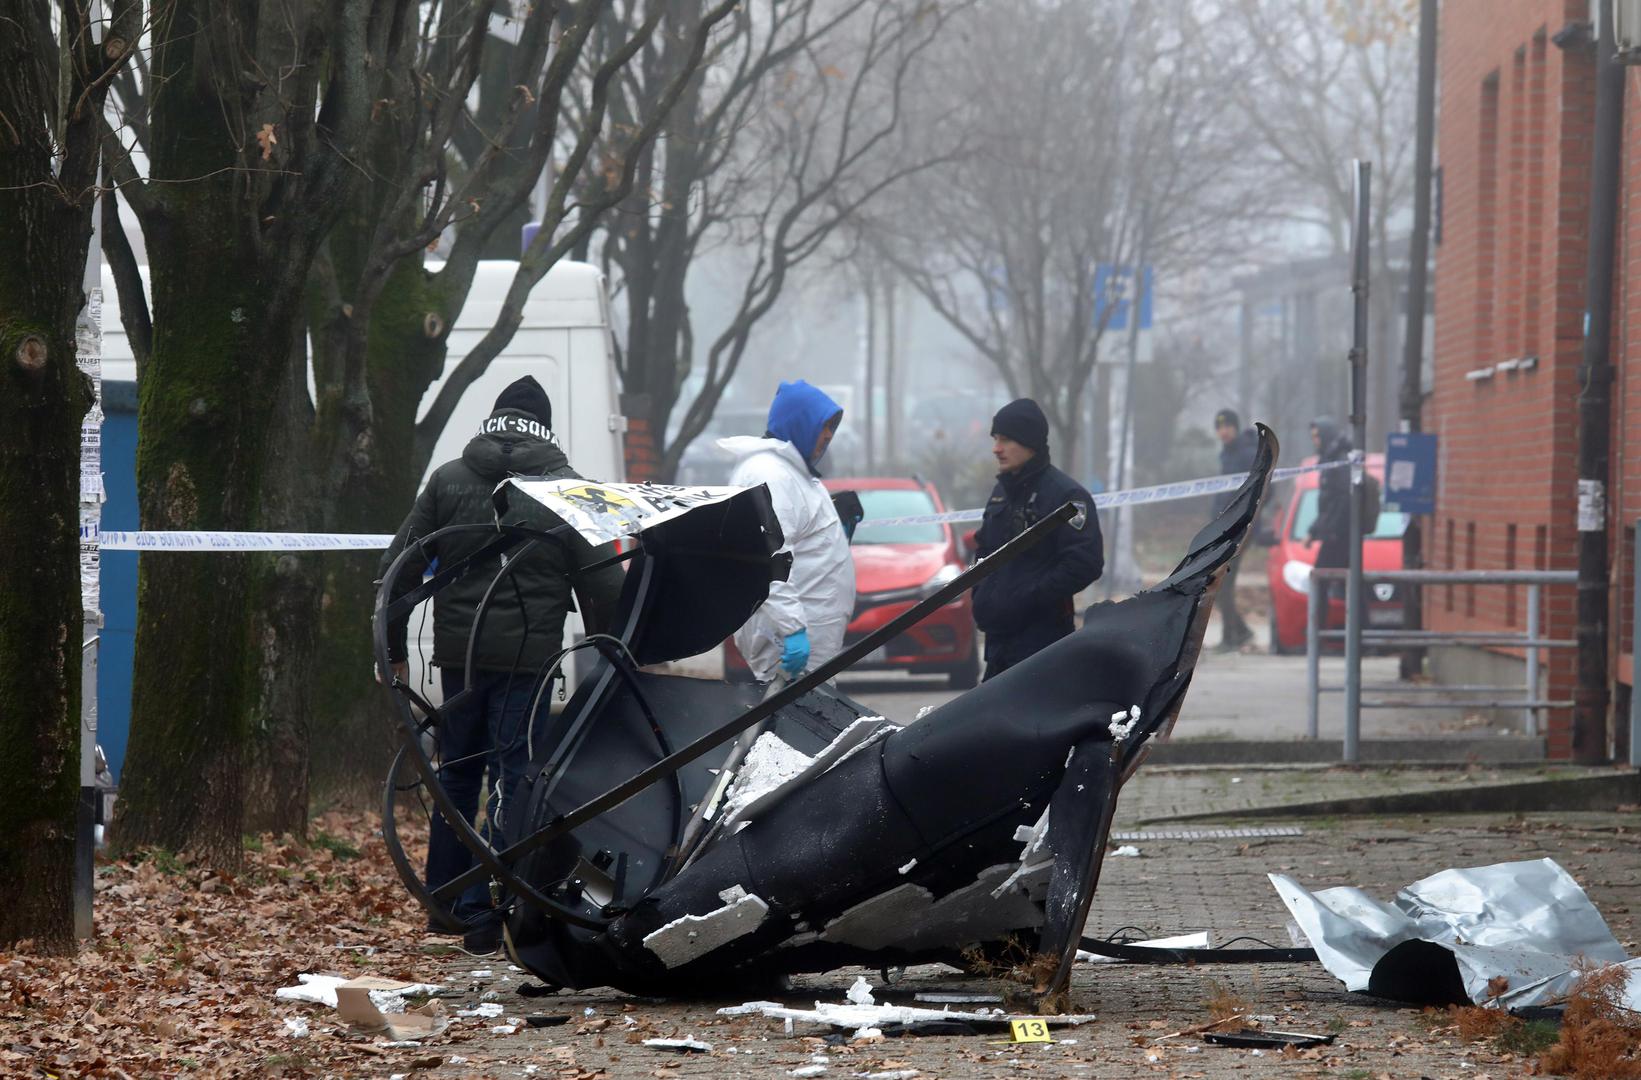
{"x": 1331, "y": 527}
{"x": 1028, "y": 604}
{"x": 523, "y": 628}
{"x": 1237, "y": 451}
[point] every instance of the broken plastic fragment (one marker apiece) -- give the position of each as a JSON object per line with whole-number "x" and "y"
{"x": 1128, "y": 851}
{"x": 860, "y": 993}
{"x": 856, "y": 1017}
{"x": 769, "y": 764}
{"x": 1123, "y": 724}
{"x": 692, "y": 936}
{"x": 296, "y": 1027}
{"x": 680, "y": 1046}
{"x": 807, "y": 1070}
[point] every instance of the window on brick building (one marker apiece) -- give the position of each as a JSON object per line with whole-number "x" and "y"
{"x": 1486, "y": 230}
{"x": 1470, "y": 564}
{"x": 1448, "y": 588}
{"x": 1537, "y": 196}
{"x": 1510, "y": 564}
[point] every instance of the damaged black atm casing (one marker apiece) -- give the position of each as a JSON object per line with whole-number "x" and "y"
{"x": 978, "y": 827}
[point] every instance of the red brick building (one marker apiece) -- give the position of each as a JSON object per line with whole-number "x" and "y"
{"x": 1514, "y": 145}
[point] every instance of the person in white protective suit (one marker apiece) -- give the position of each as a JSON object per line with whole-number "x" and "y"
{"x": 801, "y": 625}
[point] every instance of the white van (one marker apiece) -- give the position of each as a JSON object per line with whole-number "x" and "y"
{"x": 563, "y": 340}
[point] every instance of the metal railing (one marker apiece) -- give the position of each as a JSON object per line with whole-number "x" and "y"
{"x": 1530, "y": 641}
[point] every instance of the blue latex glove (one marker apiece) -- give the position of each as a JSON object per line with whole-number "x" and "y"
{"x": 795, "y": 655}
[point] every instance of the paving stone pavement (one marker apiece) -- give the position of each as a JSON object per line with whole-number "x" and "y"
{"x": 1217, "y": 883}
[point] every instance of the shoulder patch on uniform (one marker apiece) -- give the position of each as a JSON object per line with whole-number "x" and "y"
{"x": 1081, "y": 517}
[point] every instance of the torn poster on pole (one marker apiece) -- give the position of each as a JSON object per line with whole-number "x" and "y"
{"x": 961, "y": 837}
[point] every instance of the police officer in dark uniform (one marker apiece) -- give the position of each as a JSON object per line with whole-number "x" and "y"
{"x": 1027, "y": 605}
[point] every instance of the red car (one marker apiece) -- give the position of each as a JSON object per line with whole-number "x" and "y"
{"x": 898, "y": 565}
{"x": 1288, "y": 567}
{"x": 895, "y": 567}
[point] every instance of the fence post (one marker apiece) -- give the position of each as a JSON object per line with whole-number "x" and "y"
{"x": 1354, "y": 605}
{"x": 1313, "y": 657}
{"x": 1530, "y": 713}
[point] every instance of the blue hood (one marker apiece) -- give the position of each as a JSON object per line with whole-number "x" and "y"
{"x": 798, "y": 414}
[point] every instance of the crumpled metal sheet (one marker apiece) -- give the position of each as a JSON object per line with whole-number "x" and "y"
{"x": 1456, "y": 932}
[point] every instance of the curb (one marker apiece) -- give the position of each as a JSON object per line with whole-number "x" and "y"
{"x": 1582, "y": 793}
{"x": 1483, "y": 751}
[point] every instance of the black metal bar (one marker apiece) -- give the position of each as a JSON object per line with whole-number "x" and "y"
{"x": 614, "y": 560}
{"x": 509, "y": 535}
{"x": 793, "y": 691}
{"x": 1151, "y": 954}
{"x": 1595, "y": 402}
{"x": 1418, "y": 264}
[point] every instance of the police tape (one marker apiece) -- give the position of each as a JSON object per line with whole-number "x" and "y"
{"x": 179, "y": 540}
{"x": 1110, "y": 500}
{"x": 236, "y": 541}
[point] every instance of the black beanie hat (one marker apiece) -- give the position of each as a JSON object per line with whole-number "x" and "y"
{"x": 526, "y": 395}
{"x": 1227, "y": 418}
{"x": 1023, "y": 421}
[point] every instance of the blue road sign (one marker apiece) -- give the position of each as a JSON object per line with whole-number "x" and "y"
{"x": 1410, "y": 473}
{"x": 1114, "y": 288}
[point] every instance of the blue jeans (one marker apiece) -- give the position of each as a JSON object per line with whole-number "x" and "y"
{"x": 486, "y": 731}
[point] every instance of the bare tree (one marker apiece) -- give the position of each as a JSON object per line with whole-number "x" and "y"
{"x": 301, "y": 163}
{"x": 1097, "y": 142}
{"x": 55, "y": 71}
{"x": 1328, "y": 82}
{"x": 787, "y": 134}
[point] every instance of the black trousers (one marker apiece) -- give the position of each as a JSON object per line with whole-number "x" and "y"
{"x": 1003, "y": 651}
{"x": 1233, "y": 627}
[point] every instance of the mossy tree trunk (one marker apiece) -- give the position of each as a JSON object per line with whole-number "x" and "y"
{"x": 205, "y": 411}
{"x": 42, "y": 400}
{"x": 284, "y": 625}
{"x": 374, "y": 477}
{"x": 232, "y": 225}
{"x": 48, "y": 172}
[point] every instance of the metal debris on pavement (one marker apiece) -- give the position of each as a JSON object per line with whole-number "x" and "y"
{"x": 1511, "y": 935}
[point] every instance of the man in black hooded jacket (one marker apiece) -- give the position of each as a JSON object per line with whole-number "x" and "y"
{"x": 1028, "y": 604}
{"x": 1331, "y": 526}
{"x": 523, "y": 628}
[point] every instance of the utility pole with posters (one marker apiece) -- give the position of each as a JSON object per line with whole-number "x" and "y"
{"x": 88, "y": 352}
{"x": 1418, "y": 254}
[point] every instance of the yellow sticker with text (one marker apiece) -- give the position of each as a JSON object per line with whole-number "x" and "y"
{"x": 1030, "y": 1031}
